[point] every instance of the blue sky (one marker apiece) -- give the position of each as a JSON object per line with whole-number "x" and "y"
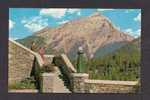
{"x": 24, "y": 22}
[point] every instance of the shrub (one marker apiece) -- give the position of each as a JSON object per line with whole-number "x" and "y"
{"x": 28, "y": 83}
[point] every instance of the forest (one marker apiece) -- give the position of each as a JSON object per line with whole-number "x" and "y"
{"x": 123, "y": 64}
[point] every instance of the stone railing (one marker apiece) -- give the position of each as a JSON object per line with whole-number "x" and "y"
{"x": 65, "y": 65}
{"x": 64, "y": 60}
{"x": 21, "y": 61}
{"x": 66, "y": 68}
{"x": 81, "y": 84}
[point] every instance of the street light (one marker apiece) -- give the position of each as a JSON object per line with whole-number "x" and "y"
{"x": 80, "y": 60}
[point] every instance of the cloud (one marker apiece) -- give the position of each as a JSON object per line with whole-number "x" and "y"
{"x": 63, "y": 22}
{"x": 71, "y": 11}
{"x": 138, "y": 17}
{"x": 79, "y": 13}
{"x": 13, "y": 38}
{"x": 54, "y": 12}
{"x": 11, "y": 24}
{"x": 117, "y": 27}
{"x": 24, "y": 21}
{"x": 129, "y": 30}
{"x": 138, "y": 32}
{"x": 104, "y": 10}
{"x": 35, "y": 23}
{"x": 135, "y": 34}
{"x": 58, "y": 12}
{"x": 129, "y": 10}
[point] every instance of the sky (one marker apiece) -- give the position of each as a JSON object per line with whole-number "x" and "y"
{"x": 24, "y": 22}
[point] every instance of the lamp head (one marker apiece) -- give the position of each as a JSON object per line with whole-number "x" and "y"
{"x": 80, "y": 50}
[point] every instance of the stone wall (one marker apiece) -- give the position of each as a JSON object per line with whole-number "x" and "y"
{"x": 107, "y": 86}
{"x": 20, "y": 62}
{"x": 81, "y": 84}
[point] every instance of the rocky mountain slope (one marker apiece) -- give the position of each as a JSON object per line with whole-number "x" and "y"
{"x": 95, "y": 34}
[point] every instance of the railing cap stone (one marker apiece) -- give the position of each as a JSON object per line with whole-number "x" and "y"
{"x": 111, "y": 82}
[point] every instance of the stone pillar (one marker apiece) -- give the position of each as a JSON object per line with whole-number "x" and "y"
{"x": 47, "y": 82}
{"x": 78, "y": 82}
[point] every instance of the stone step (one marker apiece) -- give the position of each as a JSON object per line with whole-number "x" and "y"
{"x": 59, "y": 86}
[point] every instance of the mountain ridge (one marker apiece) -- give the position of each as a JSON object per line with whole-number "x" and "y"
{"x": 91, "y": 32}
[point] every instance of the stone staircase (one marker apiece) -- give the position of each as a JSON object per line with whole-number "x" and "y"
{"x": 59, "y": 87}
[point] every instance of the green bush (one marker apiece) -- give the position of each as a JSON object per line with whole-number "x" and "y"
{"x": 28, "y": 83}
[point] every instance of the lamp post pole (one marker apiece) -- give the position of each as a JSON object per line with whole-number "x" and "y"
{"x": 80, "y": 65}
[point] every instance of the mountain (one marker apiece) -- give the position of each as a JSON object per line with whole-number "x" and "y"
{"x": 95, "y": 34}
{"x": 128, "y": 50}
{"x": 137, "y": 42}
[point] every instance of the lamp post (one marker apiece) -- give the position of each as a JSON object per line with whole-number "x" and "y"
{"x": 80, "y": 60}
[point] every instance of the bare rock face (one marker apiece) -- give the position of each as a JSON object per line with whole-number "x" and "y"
{"x": 92, "y": 33}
